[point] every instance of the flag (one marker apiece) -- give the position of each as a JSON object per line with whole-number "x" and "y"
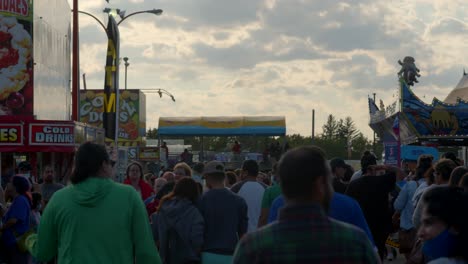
{"x": 111, "y": 81}
{"x": 396, "y": 126}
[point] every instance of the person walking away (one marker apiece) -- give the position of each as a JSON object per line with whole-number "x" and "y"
{"x": 304, "y": 233}
{"x": 270, "y": 194}
{"x": 16, "y": 221}
{"x": 135, "y": 178}
{"x": 94, "y": 220}
{"x": 342, "y": 208}
{"x": 178, "y": 225}
{"x": 252, "y": 192}
{"x": 49, "y": 186}
{"x": 372, "y": 192}
{"x": 338, "y": 168}
{"x": 225, "y": 215}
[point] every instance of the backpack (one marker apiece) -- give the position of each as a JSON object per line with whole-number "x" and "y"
{"x": 177, "y": 250}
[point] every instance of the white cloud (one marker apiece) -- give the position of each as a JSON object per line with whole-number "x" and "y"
{"x": 280, "y": 57}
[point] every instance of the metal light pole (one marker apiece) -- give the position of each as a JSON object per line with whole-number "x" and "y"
{"x": 75, "y": 64}
{"x": 126, "y": 66}
{"x": 160, "y": 92}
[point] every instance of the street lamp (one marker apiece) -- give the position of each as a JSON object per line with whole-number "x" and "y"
{"x": 111, "y": 88}
{"x": 122, "y": 15}
{"x": 160, "y": 92}
{"x": 126, "y": 66}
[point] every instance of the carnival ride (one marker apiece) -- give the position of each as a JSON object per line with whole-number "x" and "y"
{"x": 410, "y": 121}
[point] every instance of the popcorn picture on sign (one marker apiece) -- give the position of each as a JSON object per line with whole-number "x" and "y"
{"x": 16, "y": 73}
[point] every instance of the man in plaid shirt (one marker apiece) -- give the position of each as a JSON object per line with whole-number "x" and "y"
{"x": 304, "y": 233}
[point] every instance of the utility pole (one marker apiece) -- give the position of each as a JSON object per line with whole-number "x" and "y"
{"x": 313, "y": 125}
{"x": 373, "y": 142}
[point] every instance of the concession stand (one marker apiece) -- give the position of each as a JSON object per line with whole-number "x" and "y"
{"x": 35, "y": 98}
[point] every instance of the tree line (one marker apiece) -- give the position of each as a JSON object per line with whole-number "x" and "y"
{"x": 340, "y": 138}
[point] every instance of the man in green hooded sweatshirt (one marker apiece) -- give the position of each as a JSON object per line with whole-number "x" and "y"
{"x": 94, "y": 220}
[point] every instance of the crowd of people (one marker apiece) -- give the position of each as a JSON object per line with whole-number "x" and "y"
{"x": 306, "y": 209}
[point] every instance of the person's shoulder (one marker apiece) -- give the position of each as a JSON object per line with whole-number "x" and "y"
{"x": 260, "y": 238}
{"x": 236, "y": 187}
{"x": 124, "y": 188}
{"x": 346, "y": 232}
{"x": 345, "y": 199}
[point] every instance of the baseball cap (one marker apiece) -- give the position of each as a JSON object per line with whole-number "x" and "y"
{"x": 213, "y": 167}
{"x": 337, "y": 163}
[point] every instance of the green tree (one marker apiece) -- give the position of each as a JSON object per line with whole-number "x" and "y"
{"x": 152, "y": 133}
{"x": 330, "y": 128}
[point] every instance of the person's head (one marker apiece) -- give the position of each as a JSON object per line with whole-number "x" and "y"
{"x": 91, "y": 160}
{"x": 445, "y": 212}
{"x": 456, "y": 175}
{"x": 164, "y": 143}
{"x": 367, "y": 159}
{"x": 349, "y": 171}
{"x": 169, "y": 176}
{"x": 238, "y": 173}
{"x": 451, "y": 156}
{"x": 424, "y": 163}
{"x": 159, "y": 184}
{"x": 198, "y": 168}
{"x": 36, "y": 201}
{"x": 250, "y": 169}
{"x": 214, "y": 173}
{"x": 429, "y": 176}
{"x": 442, "y": 170}
{"x": 48, "y": 174}
{"x": 182, "y": 170}
{"x": 263, "y": 178}
{"x": 24, "y": 168}
{"x": 230, "y": 179}
{"x": 338, "y": 167}
{"x": 185, "y": 188}
{"x": 20, "y": 185}
{"x": 134, "y": 172}
{"x": 305, "y": 176}
{"x": 274, "y": 172}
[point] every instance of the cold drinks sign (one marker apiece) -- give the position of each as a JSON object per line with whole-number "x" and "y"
{"x": 47, "y": 134}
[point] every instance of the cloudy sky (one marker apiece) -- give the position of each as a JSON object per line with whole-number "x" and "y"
{"x": 279, "y": 57}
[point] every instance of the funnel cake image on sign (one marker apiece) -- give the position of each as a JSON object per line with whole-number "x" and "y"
{"x": 16, "y": 78}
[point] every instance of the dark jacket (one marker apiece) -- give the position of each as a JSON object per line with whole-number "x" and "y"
{"x": 178, "y": 227}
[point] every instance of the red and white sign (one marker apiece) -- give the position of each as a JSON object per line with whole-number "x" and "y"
{"x": 11, "y": 134}
{"x": 56, "y": 134}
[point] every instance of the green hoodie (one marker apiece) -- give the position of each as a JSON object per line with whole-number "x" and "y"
{"x": 95, "y": 221}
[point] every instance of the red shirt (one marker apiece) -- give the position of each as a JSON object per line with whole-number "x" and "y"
{"x": 146, "y": 190}
{"x": 236, "y": 148}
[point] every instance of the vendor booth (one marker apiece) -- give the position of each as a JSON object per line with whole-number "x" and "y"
{"x": 35, "y": 98}
{"x": 221, "y": 126}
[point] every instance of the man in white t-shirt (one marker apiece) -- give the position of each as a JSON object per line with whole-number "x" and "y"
{"x": 252, "y": 192}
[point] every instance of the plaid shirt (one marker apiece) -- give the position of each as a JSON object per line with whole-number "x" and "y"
{"x": 304, "y": 234}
